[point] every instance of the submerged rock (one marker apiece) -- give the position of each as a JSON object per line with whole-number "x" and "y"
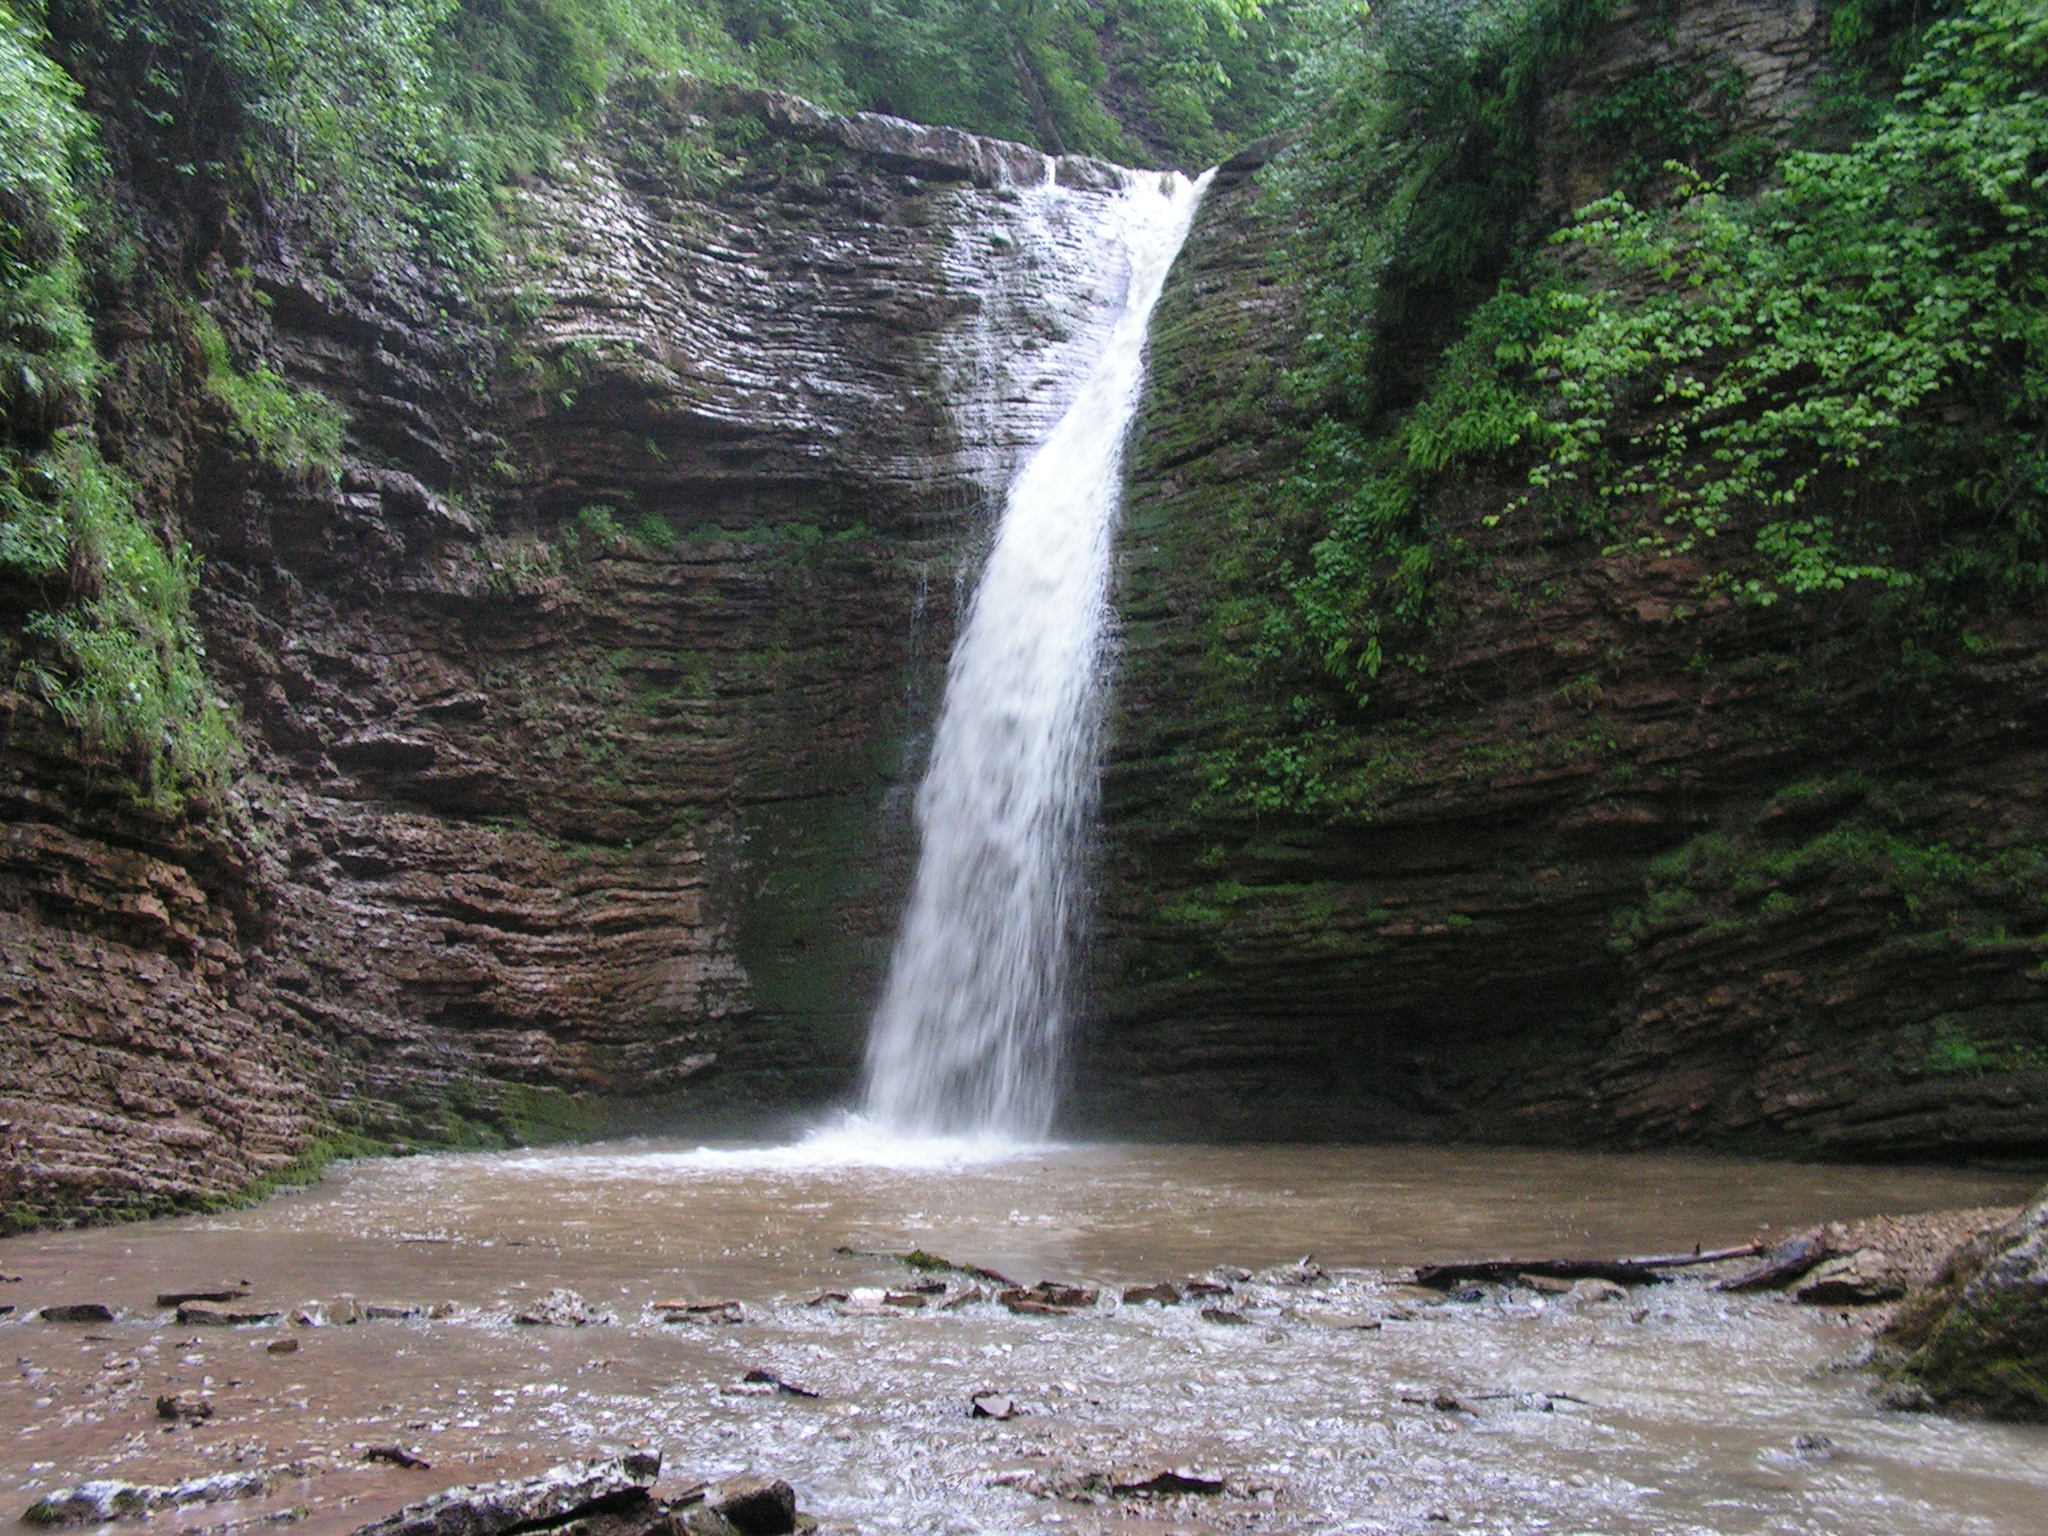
{"x": 1170, "y": 1481}
{"x": 406, "y": 1311}
{"x": 178, "y": 1407}
{"x": 760, "y": 1378}
{"x": 213, "y": 1293}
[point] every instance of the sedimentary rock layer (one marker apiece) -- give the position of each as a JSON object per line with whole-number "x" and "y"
{"x": 1624, "y": 861}
{"x": 581, "y": 709}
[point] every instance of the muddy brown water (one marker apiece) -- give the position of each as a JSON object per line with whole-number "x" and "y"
{"x": 1679, "y": 1410}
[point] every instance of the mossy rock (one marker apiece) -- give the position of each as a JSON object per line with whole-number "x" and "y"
{"x": 1979, "y": 1340}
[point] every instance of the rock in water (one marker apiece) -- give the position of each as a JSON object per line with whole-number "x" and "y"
{"x": 489, "y": 1509}
{"x": 208, "y": 1314}
{"x": 560, "y": 1309}
{"x": 1049, "y": 1298}
{"x": 1979, "y": 1339}
{"x": 97, "y": 1503}
{"x": 179, "y": 1407}
{"x": 1166, "y": 1294}
{"x": 756, "y": 1506}
{"x": 78, "y": 1312}
{"x": 214, "y": 1293}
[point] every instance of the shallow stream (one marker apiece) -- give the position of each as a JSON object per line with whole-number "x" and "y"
{"x": 1329, "y": 1408}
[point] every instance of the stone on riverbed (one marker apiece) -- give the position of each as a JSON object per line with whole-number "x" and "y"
{"x": 755, "y": 1506}
{"x": 180, "y": 1407}
{"x": 563, "y": 1493}
{"x": 211, "y": 1314}
{"x": 78, "y": 1312}
{"x": 1856, "y": 1279}
{"x": 1049, "y": 1298}
{"x": 208, "y": 1293}
{"x": 1165, "y": 1293}
{"x": 560, "y": 1309}
{"x": 701, "y": 1311}
{"x": 98, "y": 1502}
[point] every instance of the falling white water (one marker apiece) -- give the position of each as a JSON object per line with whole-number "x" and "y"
{"x": 967, "y": 1038}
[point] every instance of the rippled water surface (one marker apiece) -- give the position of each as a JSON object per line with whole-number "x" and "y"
{"x": 1675, "y": 1410}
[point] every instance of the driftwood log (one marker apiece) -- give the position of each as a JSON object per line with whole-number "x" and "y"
{"x": 1647, "y": 1271}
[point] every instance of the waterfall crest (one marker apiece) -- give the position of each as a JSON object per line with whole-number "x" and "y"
{"x": 968, "y": 1034}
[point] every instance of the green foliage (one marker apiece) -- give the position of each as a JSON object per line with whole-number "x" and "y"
{"x": 1874, "y": 329}
{"x": 295, "y": 430}
{"x": 1647, "y": 120}
{"x": 1846, "y": 371}
{"x": 390, "y": 123}
{"x": 118, "y": 660}
{"x": 47, "y": 362}
{"x": 108, "y": 641}
{"x": 1876, "y": 845}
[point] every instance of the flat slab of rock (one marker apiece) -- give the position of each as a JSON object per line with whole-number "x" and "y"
{"x": 211, "y": 1293}
{"x": 491, "y": 1509}
{"x": 701, "y": 1311}
{"x": 214, "y": 1314}
{"x": 1172, "y": 1480}
{"x": 110, "y": 1499}
{"x": 78, "y": 1312}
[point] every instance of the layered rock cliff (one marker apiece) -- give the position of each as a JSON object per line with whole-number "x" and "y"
{"x": 581, "y": 707}
{"x": 1619, "y": 859}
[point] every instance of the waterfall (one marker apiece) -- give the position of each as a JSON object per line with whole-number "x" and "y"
{"x": 967, "y": 1036}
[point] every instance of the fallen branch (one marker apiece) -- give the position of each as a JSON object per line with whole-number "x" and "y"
{"x": 1621, "y": 1271}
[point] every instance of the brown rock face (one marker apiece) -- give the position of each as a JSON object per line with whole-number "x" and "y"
{"x": 1616, "y": 861}
{"x": 582, "y": 709}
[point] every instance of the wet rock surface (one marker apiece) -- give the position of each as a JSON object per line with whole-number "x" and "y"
{"x": 1616, "y": 861}
{"x": 555, "y": 1497}
{"x": 581, "y": 708}
{"x": 1978, "y": 1338}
